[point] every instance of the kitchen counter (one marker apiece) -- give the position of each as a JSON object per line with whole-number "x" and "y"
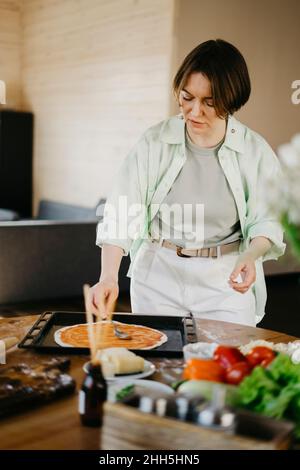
{"x": 57, "y": 425}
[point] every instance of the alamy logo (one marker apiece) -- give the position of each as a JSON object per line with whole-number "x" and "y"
{"x": 124, "y": 220}
{"x": 296, "y": 94}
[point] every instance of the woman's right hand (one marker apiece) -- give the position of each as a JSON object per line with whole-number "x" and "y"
{"x": 103, "y": 296}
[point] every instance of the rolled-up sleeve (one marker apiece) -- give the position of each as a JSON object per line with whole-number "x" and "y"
{"x": 265, "y": 222}
{"x": 123, "y": 216}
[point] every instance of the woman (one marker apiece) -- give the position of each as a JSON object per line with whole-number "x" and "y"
{"x": 208, "y": 259}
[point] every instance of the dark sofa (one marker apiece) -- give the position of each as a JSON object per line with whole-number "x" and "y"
{"x": 51, "y": 256}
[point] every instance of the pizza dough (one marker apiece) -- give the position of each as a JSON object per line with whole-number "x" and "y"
{"x": 142, "y": 337}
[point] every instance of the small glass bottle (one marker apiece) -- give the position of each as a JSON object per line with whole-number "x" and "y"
{"x": 92, "y": 395}
{"x": 216, "y": 414}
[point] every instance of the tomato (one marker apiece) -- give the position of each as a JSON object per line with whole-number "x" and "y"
{"x": 266, "y": 361}
{"x": 203, "y": 369}
{"x": 227, "y": 356}
{"x": 236, "y": 373}
{"x": 260, "y": 354}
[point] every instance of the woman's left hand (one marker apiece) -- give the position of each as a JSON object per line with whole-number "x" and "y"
{"x": 245, "y": 266}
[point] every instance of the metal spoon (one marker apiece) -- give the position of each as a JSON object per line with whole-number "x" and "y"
{"x": 117, "y": 332}
{"x": 120, "y": 334}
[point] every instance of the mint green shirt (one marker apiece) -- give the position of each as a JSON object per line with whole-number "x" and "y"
{"x": 150, "y": 169}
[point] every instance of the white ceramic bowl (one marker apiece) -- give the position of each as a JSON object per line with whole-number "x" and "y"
{"x": 201, "y": 350}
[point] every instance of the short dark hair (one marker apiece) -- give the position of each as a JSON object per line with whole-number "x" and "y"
{"x": 226, "y": 69}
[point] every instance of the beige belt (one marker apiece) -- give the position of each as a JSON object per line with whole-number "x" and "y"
{"x": 213, "y": 252}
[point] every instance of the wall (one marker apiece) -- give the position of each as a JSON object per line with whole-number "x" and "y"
{"x": 96, "y": 74}
{"x": 267, "y": 32}
{"x": 10, "y": 41}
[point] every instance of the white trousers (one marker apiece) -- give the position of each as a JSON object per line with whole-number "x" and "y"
{"x": 163, "y": 283}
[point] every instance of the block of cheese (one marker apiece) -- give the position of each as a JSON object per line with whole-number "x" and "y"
{"x": 10, "y": 341}
{"x": 120, "y": 361}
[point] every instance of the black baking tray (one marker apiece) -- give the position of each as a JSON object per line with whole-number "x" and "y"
{"x": 180, "y": 330}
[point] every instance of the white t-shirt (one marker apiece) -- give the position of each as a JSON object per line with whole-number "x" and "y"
{"x": 199, "y": 210}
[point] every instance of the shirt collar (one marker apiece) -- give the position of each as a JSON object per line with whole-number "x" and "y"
{"x": 173, "y": 132}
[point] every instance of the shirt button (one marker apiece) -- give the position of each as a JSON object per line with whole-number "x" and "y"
{"x": 233, "y": 131}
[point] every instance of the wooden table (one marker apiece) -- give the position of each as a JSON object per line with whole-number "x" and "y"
{"x": 57, "y": 425}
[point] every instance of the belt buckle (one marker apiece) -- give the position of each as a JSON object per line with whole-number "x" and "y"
{"x": 179, "y": 252}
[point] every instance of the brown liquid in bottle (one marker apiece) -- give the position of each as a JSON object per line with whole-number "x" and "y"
{"x": 92, "y": 396}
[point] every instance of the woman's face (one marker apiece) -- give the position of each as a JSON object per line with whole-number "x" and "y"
{"x": 196, "y": 103}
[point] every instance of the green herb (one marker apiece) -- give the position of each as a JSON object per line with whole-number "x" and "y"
{"x": 124, "y": 392}
{"x": 176, "y": 384}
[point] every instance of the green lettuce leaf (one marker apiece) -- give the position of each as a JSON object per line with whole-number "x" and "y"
{"x": 256, "y": 386}
{"x": 284, "y": 371}
{"x": 275, "y": 391}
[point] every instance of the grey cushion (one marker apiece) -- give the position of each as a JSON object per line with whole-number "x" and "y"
{"x": 7, "y": 214}
{"x": 100, "y": 208}
{"x": 51, "y": 210}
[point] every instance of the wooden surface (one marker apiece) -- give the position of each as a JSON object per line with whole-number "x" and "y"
{"x": 57, "y": 426}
